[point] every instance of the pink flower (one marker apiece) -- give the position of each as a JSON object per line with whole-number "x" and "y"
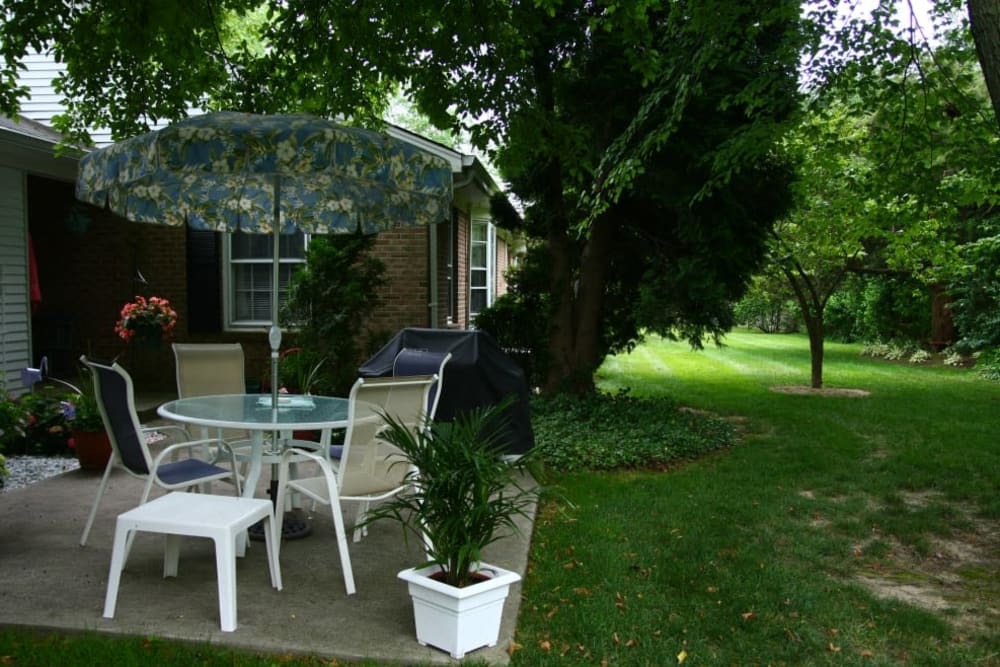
{"x": 143, "y": 315}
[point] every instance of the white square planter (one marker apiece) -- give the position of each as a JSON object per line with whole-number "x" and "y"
{"x": 458, "y": 620}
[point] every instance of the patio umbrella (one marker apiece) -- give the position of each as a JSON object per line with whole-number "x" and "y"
{"x": 275, "y": 174}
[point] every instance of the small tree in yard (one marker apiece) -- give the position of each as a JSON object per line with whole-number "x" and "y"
{"x": 814, "y": 245}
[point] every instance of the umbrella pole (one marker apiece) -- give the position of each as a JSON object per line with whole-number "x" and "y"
{"x": 274, "y": 335}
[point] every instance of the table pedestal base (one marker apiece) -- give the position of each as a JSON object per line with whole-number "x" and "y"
{"x": 293, "y": 527}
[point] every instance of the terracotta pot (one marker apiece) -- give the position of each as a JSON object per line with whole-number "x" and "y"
{"x": 93, "y": 449}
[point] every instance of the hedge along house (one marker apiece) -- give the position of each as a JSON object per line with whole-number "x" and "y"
{"x": 90, "y": 262}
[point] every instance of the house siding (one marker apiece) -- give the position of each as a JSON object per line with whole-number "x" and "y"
{"x": 503, "y": 260}
{"x": 15, "y": 346}
{"x": 462, "y": 230}
{"x": 45, "y": 103}
{"x": 406, "y": 295}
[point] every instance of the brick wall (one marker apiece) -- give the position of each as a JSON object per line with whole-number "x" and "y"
{"x": 405, "y": 295}
{"x": 87, "y": 277}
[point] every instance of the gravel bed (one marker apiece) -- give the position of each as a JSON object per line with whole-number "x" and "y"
{"x": 25, "y": 470}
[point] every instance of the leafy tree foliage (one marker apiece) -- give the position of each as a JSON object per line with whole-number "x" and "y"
{"x": 897, "y": 163}
{"x": 639, "y": 134}
{"x": 662, "y": 237}
{"x": 975, "y": 288}
{"x": 879, "y": 307}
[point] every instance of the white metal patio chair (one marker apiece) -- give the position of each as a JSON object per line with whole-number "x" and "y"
{"x": 204, "y": 369}
{"x": 367, "y": 470}
{"x": 411, "y": 361}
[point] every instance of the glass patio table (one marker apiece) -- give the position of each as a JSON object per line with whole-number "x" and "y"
{"x": 255, "y": 414}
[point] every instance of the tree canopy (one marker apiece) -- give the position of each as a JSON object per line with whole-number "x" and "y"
{"x": 639, "y": 134}
{"x": 897, "y": 176}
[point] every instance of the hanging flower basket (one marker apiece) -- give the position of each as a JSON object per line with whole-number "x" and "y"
{"x": 146, "y": 321}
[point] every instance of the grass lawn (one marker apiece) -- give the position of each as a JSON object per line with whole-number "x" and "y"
{"x": 771, "y": 553}
{"x": 839, "y": 530}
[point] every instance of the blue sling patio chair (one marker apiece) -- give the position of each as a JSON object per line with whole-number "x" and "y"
{"x": 129, "y": 450}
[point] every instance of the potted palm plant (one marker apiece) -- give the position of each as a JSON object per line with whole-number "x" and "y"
{"x": 465, "y": 496}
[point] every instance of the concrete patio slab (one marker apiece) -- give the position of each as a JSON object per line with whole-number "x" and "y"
{"x": 48, "y": 581}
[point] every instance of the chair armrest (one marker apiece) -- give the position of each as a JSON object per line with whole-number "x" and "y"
{"x": 287, "y": 455}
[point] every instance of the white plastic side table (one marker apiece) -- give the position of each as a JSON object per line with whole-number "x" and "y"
{"x": 222, "y": 518}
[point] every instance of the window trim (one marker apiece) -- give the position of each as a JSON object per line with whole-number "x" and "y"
{"x": 490, "y": 268}
{"x": 228, "y": 286}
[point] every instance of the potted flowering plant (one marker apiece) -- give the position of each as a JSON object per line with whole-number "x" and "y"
{"x": 146, "y": 319}
{"x": 87, "y": 435}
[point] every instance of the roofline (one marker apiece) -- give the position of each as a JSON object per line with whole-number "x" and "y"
{"x": 460, "y": 162}
{"x": 31, "y": 146}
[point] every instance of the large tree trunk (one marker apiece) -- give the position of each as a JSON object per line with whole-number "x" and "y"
{"x": 984, "y": 20}
{"x": 575, "y": 335}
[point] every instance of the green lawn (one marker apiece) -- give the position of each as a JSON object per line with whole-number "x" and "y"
{"x": 756, "y": 555}
{"x": 765, "y": 553}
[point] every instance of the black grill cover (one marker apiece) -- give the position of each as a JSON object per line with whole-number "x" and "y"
{"x": 479, "y": 374}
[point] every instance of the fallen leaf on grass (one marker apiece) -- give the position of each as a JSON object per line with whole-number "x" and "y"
{"x": 545, "y": 646}
{"x": 833, "y": 648}
{"x": 748, "y": 616}
{"x": 512, "y": 647}
{"x": 584, "y": 592}
{"x": 682, "y": 656}
{"x": 615, "y": 639}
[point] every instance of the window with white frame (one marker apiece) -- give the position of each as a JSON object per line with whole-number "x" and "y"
{"x": 249, "y": 273}
{"x": 482, "y": 250}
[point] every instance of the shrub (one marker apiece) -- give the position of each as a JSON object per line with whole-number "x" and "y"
{"x": 329, "y": 299}
{"x": 988, "y": 364}
{"x": 13, "y": 421}
{"x": 602, "y": 431}
{"x": 518, "y": 320}
{"x": 769, "y": 305}
{"x": 878, "y": 307}
{"x": 47, "y": 432}
{"x": 953, "y": 357}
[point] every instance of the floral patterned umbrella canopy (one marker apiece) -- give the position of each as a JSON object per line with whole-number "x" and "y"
{"x": 231, "y": 172}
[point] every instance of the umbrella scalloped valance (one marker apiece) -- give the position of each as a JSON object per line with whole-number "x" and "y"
{"x": 226, "y": 171}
